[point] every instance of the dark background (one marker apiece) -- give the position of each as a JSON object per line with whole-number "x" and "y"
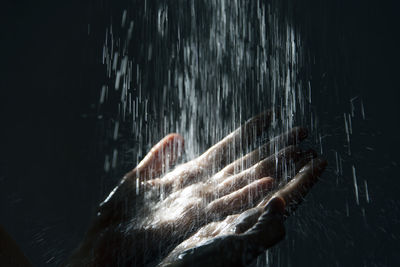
{"x": 51, "y": 165}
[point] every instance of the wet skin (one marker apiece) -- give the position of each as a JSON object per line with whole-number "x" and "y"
{"x": 219, "y": 209}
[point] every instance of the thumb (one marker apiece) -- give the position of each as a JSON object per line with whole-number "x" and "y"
{"x": 269, "y": 228}
{"x": 161, "y": 157}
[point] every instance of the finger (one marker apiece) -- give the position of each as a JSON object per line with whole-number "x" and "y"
{"x": 218, "y": 155}
{"x": 239, "y": 199}
{"x": 162, "y": 156}
{"x": 294, "y": 192}
{"x": 269, "y": 228}
{"x": 272, "y": 166}
{"x": 292, "y": 137}
{"x": 247, "y": 219}
{"x": 122, "y": 197}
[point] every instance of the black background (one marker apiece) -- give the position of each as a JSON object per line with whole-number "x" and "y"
{"x": 50, "y": 165}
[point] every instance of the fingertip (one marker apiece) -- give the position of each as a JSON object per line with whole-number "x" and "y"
{"x": 276, "y": 205}
{"x": 263, "y": 120}
{"x": 290, "y": 152}
{"x": 172, "y": 141}
{"x": 163, "y": 154}
{"x": 265, "y": 183}
{"x": 316, "y": 166}
{"x": 301, "y": 133}
{"x": 321, "y": 162}
{"x": 174, "y": 138}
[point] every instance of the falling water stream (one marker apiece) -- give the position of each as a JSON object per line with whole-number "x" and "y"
{"x": 200, "y": 69}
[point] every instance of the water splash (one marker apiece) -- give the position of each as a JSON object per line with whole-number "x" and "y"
{"x": 200, "y": 68}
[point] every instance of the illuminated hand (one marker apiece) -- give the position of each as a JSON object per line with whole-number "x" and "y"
{"x": 240, "y": 238}
{"x": 216, "y": 206}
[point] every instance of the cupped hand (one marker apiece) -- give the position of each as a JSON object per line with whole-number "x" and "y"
{"x": 240, "y": 238}
{"x": 219, "y": 204}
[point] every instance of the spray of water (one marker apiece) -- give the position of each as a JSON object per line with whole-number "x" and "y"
{"x": 200, "y": 68}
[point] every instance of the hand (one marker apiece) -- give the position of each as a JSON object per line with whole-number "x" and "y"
{"x": 240, "y": 238}
{"x": 149, "y": 214}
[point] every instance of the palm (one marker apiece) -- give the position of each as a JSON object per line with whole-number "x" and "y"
{"x": 213, "y": 195}
{"x": 249, "y": 229}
